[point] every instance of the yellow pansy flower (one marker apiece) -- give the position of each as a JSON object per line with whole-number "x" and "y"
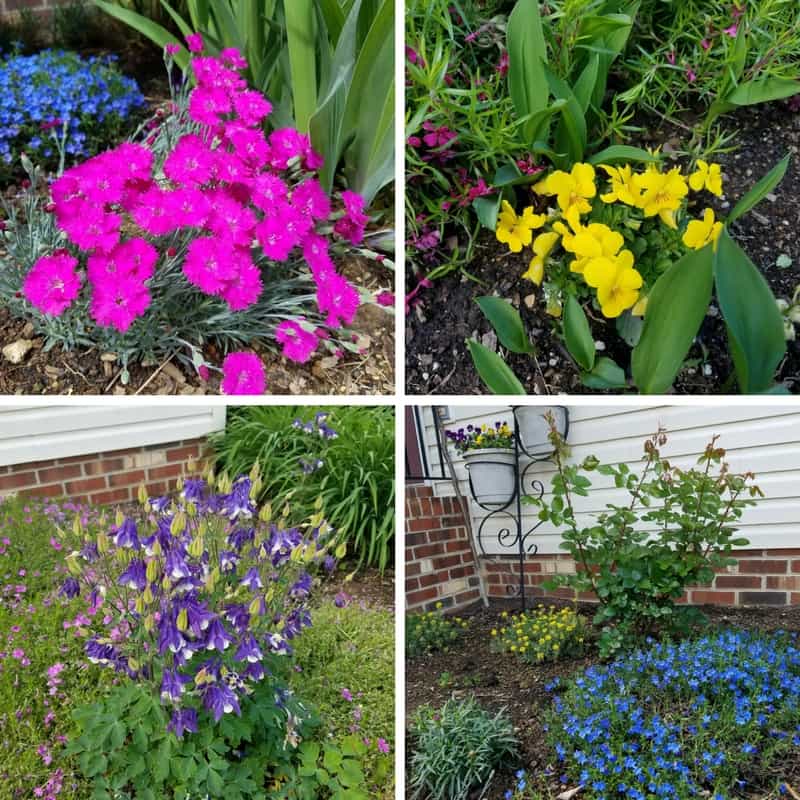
{"x": 516, "y": 231}
{"x": 622, "y": 292}
{"x": 594, "y": 241}
{"x": 542, "y": 245}
{"x": 600, "y": 273}
{"x": 623, "y": 188}
{"x": 699, "y": 233}
{"x": 708, "y": 176}
{"x": 571, "y": 189}
{"x": 662, "y": 193}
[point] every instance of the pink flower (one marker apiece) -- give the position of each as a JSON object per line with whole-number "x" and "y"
{"x": 383, "y": 746}
{"x": 351, "y": 225}
{"x": 233, "y": 58}
{"x": 671, "y": 57}
{"x": 245, "y": 287}
{"x": 251, "y": 107}
{"x": 268, "y": 191}
{"x": 206, "y": 105}
{"x": 132, "y": 258}
{"x": 93, "y": 228}
{"x": 189, "y": 162}
{"x": 347, "y": 695}
{"x": 705, "y": 44}
{"x": 249, "y": 145}
{"x": 151, "y": 212}
{"x": 286, "y": 144}
{"x": 208, "y": 264}
{"x": 195, "y": 42}
{"x": 52, "y": 284}
{"x": 732, "y": 30}
{"x": 243, "y": 373}
{"x": 298, "y": 343}
{"x": 120, "y": 303}
{"x": 385, "y": 299}
{"x": 281, "y": 231}
{"x": 315, "y": 252}
{"x": 338, "y": 298}
{"x": 310, "y": 198}
{"x": 691, "y": 76}
{"x": 55, "y": 544}
{"x": 18, "y": 654}
{"x": 172, "y": 48}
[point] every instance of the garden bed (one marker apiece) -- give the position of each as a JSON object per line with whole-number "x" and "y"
{"x": 503, "y": 681}
{"x": 437, "y": 360}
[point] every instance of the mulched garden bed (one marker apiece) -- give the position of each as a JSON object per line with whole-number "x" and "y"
{"x": 501, "y": 680}
{"x": 437, "y": 361}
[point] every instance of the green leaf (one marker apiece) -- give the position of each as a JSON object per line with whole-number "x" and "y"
{"x": 629, "y": 327}
{"x": 755, "y": 328}
{"x": 607, "y": 374}
{"x": 570, "y": 135}
{"x": 300, "y": 38}
{"x": 583, "y": 88}
{"x": 676, "y": 307}
{"x": 623, "y": 152}
{"x": 216, "y": 786}
{"x": 487, "y": 209}
{"x": 578, "y": 335}
{"x": 760, "y": 190}
{"x": 494, "y": 372}
{"x": 527, "y": 56}
{"x": 506, "y": 322}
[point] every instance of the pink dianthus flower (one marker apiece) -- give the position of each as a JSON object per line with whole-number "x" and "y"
{"x": 52, "y": 283}
{"x": 351, "y": 225}
{"x": 298, "y": 343}
{"x": 243, "y": 373}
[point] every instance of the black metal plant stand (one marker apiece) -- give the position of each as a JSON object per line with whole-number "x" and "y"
{"x": 514, "y": 536}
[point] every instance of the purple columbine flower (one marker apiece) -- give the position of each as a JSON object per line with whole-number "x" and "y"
{"x": 70, "y": 588}
{"x": 183, "y": 720}
{"x": 277, "y": 644}
{"x": 198, "y": 615}
{"x": 217, "y": 637}
{"x": 342, "y": 600}
{"x": 301, "y": 587}
{"x": 193, "y": 489}
{"x": 89, "y": 552}
{"x": 219, "y": 699}
{"x": 169, "y": 637}
{"x": 126, "y": 535}
{"x": 160, "y": 504}
{"x": 240, "y": 537}
{"x": 135, "y": 577}
{"x": 248, "y": 650}
{"x": 228, "y": 560}
{"x": 329, "y": 563}
{"x": 176, "y": 567}
{"x": 172, "y": 683}
{"x": 252, "y": 580}
{"x": 254, "y": 671}
{"x": 238, "y": 616}
{"x": 99, "y": 653}
{"x": 238, "y": 503}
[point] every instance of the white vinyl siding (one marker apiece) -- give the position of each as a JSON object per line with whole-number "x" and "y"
{"x": 761, "y": 439}
{"x": 42, "y": 433}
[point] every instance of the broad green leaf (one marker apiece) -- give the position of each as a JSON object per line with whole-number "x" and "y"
{"x": 606, "y": 374}
{"x": 583, "y": 88}
{"x": 527, "y": 56}
{"x": 300, "y": 38}
{"x": 536, "y": 125}
{"x": 578, "y": 335}
{"x": 570, "y": 134}
{"x": 760, "y": 90}
{"x": 623, "y": 152}
{"x": 676, "y": 307}
{"x": 751, "y": 314}
{"x": 506, "y": 175}
{"x": 487, "y": 209}
{"x": 494, "y": 372}
{"x": 506, "y": 322}
{"x": 760, "y": 190}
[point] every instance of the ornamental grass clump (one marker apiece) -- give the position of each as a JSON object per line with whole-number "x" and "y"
{"x": 208, "y": 230}
{"x": 713, "y": 717}
{"x": 676, "y": 528}
{"x": 541, "y": 634}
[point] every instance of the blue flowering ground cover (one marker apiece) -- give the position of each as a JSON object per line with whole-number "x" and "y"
{"x": 51, "y": 94}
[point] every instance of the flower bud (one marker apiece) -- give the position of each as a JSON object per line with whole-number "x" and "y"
{"x": 178, "y": 524}
{"x": 191, "y": 466}
{"x": 310, "y": 553}
{"x": 255, "y": 472}
{"x": 148, "y": 594}
{"x": 133, "y": 664}
{"x": 120, "y": 518}
{"x": 156, "y": 547}
{"x": 179, "y": 483}
{"x": 794, "y": 314}
{"x": 255, "y": 489}
{"x": 183, "y": 620}
{"x": 165, "y": 584}
{"x": 152, "y": 571}
{"x": 270, "y": 594}
{"x": 73, "y": 567}
{"x": 142, "y": 495}
{"x": 297, "y": 554}
{"x": 316, "y": 520}
{"x": 265, "y": 515}
{"x": 77, "y": 526}
{"x": 139, "y": 605}
{"x": 318, "y": 503}
{"x": 196, "y": 547}
{"x": 211, "y": 579}
{"x": 102, "y": 543}
{"x": 149, "y": 623}
{"x": 341, "y": 551}
{"x": 191, "y": 510}
{"x": 255, "y": 607}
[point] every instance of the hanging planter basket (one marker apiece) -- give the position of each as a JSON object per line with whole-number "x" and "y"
{"x": 533, "y": 428}
{"x": 492, "y": 472}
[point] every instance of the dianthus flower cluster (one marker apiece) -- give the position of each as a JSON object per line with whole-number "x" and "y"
{"x": 41, "y": 94}
{"x": 201, "y": 598}
{"x": 704, "y": 717}
{"x": 234, "y": 199}
{"x": 596, "y": 251}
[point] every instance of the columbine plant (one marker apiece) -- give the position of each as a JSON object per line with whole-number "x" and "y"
{"x": 208, "y": 230}
{"x": 638, "y": 557}
{"x": 481, "y": 438}
{"x": 201, "y": 599}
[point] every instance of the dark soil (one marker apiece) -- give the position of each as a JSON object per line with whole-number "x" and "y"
{"x": 502, "y": 681}
{"x": 437, "y": 360}
{"x": 367, "y": 587}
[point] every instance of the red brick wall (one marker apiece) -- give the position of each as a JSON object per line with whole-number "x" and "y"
{"x": 439, "y": 563}
{"x": 110, "y": 477}
{"x": 761, "y": 577}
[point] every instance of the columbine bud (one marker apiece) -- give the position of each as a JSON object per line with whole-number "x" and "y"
{"x": 191, "y": 510}
{"x": 318, "y": 503}
{"x": 270, "y": 594}
{"x": 149, "y": 623}
{"x": 120, "y": 518}
{"x": 156, "y": 547}
{"x": 165, "y": 584}
{"x": 255, "y": 472}
{"x": 350, "y": 577}
{"x": 196, "y": 547}
{"x": 265, "y": 515}
{"x": 211, "y": 579}
{"x": 142, "y": 495}
{"x": 178, "y": 524}
{"x": 191, "y": 466}
{"x": 183, "y": 620}
{"x": 77, "y": 526}
{"x": 102, "y": 543}
{"x": 148, "y": 594}
{"x": 139, "y": 605}
{"x": 133, "y": 664}
{"x": 122, "y": 556}
{"x": 152, "y": 571}
{"x": 179, "y": 483}
{"x": 255, "y": 488}
{"x": 316, "y": 520}
{"x": 310, "y": 553}
{"x": 255, "y": 607}
{"x": 285, "y": 511}
{"x": 297, "y": 554}
{"x": 73, "y": 566}
{"x": 341, "y": 550}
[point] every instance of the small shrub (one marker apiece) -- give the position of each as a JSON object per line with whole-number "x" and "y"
{"x": 456, "y": 748}
{"x": 677, "y": 529}
{"x": 55, "y": 100}
{"x": 543, "y": 634}
{"x": 713, "y": 717}
{"x": 431, "y": 631}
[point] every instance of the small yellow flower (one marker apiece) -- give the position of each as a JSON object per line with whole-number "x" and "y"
{"x": 572, "y": 189}
{"x": 517, "y": 231}
{"x": 542, "y": 245}
{"x": 594, "y": 241}
{"x": 708, "y": 176}
{"x": 662, "y": 194}
{"x": 699, "y": 233}
{"x": 621, "y": 293}
{"x": 623, "y": 187}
